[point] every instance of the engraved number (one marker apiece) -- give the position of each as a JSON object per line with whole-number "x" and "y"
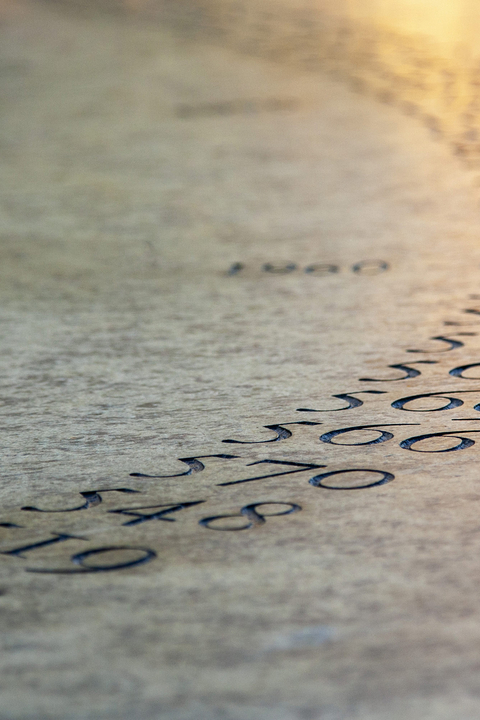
{"x": 319, "y": 480}
{"x": 58, "y": 538}
{"x": 352, "y": 401}
{"x": 82, "y": 559}
{"x": 279, "y": 269}
{"x": 458, "y": 371}
{"x": 281, "y": 433}
{"x": 303, "y": 467}
{"x": 370, "y": 267}
{"x": 452, "y": 345}
{"x": 193, "y": 463}
{"x": 321, "y": 269}
{"x": 250, "y": 514}
{"x": 462, "y": 445}
{"x": 407, "y": 369}
{"x": 92, "y": 498}
{"x": 158, "y": 515}
{"x": 383, "y": 436}
{"x": 451, "y": 403}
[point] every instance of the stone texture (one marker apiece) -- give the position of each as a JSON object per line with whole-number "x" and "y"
{"x": 138, "y": 167}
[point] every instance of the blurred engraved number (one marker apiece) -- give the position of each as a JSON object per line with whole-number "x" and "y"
{"x": 315, "y": 269}
{"x": 322, "y": 269}
{"x": 321, "y": 480}
{"x": 279, "y": 269}
{"x": 464, "y": 443}
{"x": 249, "y": 516}
{"x": 57, "y": 538}
{"x": 159, "y": 514}
{"x": 104, "y": 559}
{"x": 235, "y": 268}
{"x": 370, "y": 267}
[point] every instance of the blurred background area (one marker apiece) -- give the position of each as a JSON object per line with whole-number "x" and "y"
{"x": 422, "y": 55}
{"x": 141, "y": 137}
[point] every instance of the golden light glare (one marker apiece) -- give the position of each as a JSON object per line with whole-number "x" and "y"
{"x": 453, "y": 24}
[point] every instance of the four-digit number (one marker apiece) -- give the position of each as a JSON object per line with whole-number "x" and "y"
{"x": 365, "y": 267}
{"x": 235, "y": 268}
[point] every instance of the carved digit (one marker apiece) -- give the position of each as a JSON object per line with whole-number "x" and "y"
{"x": 159, "y": 515}
{"x": 383, "y": 437}
{"x": 458, "y": 371}
{"x": 279, "y": 269}
{"x": 452, "y": 402}
{"x": 469, "y": 311}
{"x": 407, "y": 369}
{"x": 249, "y": 512}
{"x": 463, "y": 444}
{"x": 281, "y": 433}
{"x": 321, "y": 269}
{"x": 92, "y": 498}
{"x": 370, "y": 267}
{"x": 58, "y": 538}
{"x": 318, "y": 480}
{"x": 235, "y": 268}
{"x": 194, "y": 464}
{"x": 352, "y": 401}
{"x": 81, "y": 558}
{"x": 303, "y": 467}
{"x": 452, "y": 345}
